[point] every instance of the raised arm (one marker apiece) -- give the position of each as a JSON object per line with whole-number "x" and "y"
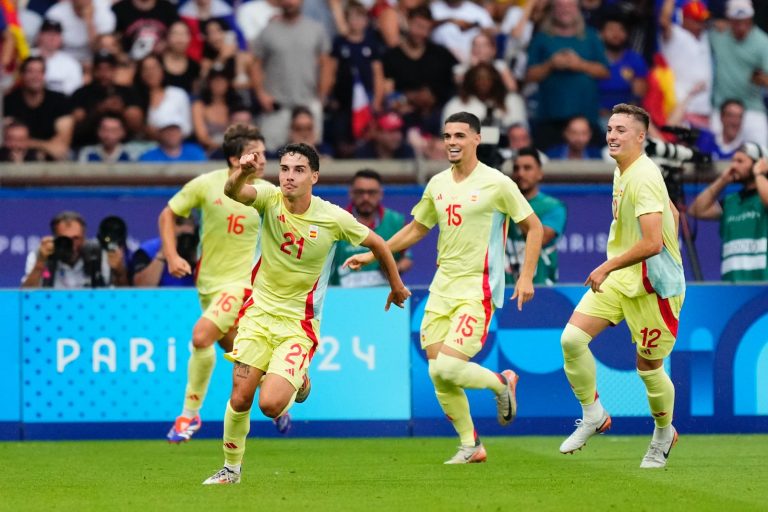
{"x": 236, "y": 187}
{"x": 400, "y": 241}
{"x": 761, "y": 180}
{"x": 399, "y": 293}
{"x": 705, "y": 206}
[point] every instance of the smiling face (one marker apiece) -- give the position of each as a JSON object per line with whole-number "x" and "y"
{"x": 296, "y": 176}
{"x": 625, "y": 137}
{"x": 460, "y": 143}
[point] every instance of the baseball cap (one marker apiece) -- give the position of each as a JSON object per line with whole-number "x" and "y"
{"x": 696, "y": 10}
{"x": 390, "y": 121}
{"x": 753, "y": 150}
{"x": 102, "y": 56}
{"x": 166, "y": 121}
{"x": 50, "y": 25}
{"x": 739, "y": 10}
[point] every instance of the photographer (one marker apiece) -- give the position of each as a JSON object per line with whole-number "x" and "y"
{"x": 66, "y": 260}
{"x": 743, "y": 215}
{"x": 149, "y": 264}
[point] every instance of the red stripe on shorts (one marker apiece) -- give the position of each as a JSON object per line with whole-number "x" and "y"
{"x": 309, "y": 314}
{"x": 255, "y": 271}
{"x": 669, "y": 317}
{"x": 486, "y": 299}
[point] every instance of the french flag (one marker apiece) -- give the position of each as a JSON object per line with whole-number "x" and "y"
{"x": 361, "y": 108}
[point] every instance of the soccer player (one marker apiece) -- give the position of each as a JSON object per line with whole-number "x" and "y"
{"x": 223, "y": 276}
{"x": 278, "y": 333}
{"x": 642, "y": 281}
{"x": 470, "y": 202}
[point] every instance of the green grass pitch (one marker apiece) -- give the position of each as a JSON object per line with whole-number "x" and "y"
{"x": 720, "y": 473}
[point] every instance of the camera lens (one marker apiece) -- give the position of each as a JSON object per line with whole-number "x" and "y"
{"x": 63, "y": 248}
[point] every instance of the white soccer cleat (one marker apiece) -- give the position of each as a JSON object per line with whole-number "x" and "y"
{"x": 585, "y": 430}
{"x": 658, "y": 452}
{"x": 223, "y": 476}
{"x": 468, "y": 455}
{"x": 506, "y": 402}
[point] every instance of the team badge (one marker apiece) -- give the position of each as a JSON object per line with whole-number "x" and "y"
{"x": 474, "y": 196}
{"x": 313, "y": 231}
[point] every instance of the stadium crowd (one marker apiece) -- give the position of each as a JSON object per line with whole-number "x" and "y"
{"x": 151, "y": 80}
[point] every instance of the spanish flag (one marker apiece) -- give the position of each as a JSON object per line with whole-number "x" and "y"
{"x": 12, "y": 20}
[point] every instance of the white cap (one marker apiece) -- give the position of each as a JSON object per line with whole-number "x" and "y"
{"x": 739, "y": 10}
{"x": 753, "y": 150}
{"x": 166, "y": 121}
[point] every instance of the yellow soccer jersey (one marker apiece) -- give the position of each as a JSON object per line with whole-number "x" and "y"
{"x": 638, "y": 191}
{"x": 228, "y": 232}
{"x": 472, "y": 217}
{"x": 297, "y": 252}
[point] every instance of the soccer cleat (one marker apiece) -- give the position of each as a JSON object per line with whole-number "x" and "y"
{"x": 223, "y": 476}
{"x": 183, "y": 429}
{"x": 585, "y": 430}
{"x": 468, "y": 455}
{"x": 283, "y": 423}
{"x": 506, "y": 403}
{"x": 658, "y": 452}
{"x": 303, "y": 393}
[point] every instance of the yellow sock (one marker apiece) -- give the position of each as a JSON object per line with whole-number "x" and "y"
{"x": 455, "y": 405}
{"x": 466, "y": 374}
{"x": 236, "y": 428}
{"x": 199, "y": 370}
{"x": 661, "y": 395}
{"x": 579, "y": 363}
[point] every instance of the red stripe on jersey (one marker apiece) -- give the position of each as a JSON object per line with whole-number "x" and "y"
{"x": 646, "y": 282}
{"x": 197, "y": 267}
{"x": 309, "y": 314}
{"x": 669, "y": 317}
{"x": 255, "y": 271}
{"x": 247, "y": 301}
{"x": 486, "y": 299}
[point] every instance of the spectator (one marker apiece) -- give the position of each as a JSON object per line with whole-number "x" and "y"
{"x": 743, "y": 215}
{"x": 577, "y": 135}
{"x": 518, "y": 137}
{"x": 484, "y": 51}
{"x": 423, "y": 123}
{"x": 365, "y": 196}
{"x": 102, "y": 95}
{"x": 387, "y": 142}
{"x": 484, "y": 94}
{"x": 457, "y": 23}
{"x": 171, "y": 146}
{"x": 355, "y": 59}
{"x": 302, "y": 130}
{"x": 111, "y": 134}
{"x": 253, "y": 16}
{"x": 198, "y": 14}
{"x": 142, "y": 24}
{"x": 722, "y": 146}
{"x": 220, "y": 50}
{"x": 565, "y": 56}
{"x": 628, "y": 72}
{"x": 682, "y": 45}
{"x": 48, "y": 114}
{"x": 16, "y": 148}
{"x": 211, "y": 111}
{"x": 517, "y": 28}
{"x": 125, "y": 67}
{"x": 149, "y": 265}
{"x": 66, "y": 260}
{"x": 82, "y": 21}
{"x": 391, "y": 21}
{"x": 418, "y": 62}
{"x": 180, "y": 70}
{"x": 159, "y": 100}
{"x": 741, "y": 53}
{"x": 63, "y": 73}
{"x": 291, "y": 68}
{"x": 527, "y": 174}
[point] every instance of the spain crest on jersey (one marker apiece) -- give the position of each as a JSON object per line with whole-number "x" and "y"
{"x": 313, "y": 231}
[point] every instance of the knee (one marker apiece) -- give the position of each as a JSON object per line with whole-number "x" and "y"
{"x": 240, "y": 402}
{"x": 201, "y": 337}
{"x": 271, "y": 407}
{"x": 445, "y": 368}
{"x": 573, "y": 340}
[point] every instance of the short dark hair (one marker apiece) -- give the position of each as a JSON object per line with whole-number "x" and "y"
{"x": 304, "y": 150}
{"x": 633, "y": 111}
{"x": 732, "y": 101}
{"x": 301, "y": 110}
{"x": 30, "y": 60}
{"x": 367, "y": 173}
{"x": 67, "y": 216}
{"x": 465, "y": 117}
{"x": 529, "y": 151}
{"x": 421, "y": 11}
{"x": 236, "y": 137}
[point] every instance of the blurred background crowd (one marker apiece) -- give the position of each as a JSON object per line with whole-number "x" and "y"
{"x": 156, "y": 81}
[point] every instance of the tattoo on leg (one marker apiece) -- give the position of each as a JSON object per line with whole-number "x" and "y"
{"x": 242, "y": 370}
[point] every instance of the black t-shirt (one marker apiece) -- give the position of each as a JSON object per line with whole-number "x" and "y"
{"x": 41, "y": 120}
{"x": 187, "y": 79}
{"x": 434, "y": 69}
{"x": 132, "y": 22}
{"x": 89, "y": 96}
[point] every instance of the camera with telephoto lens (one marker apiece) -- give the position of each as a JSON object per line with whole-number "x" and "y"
{"x": 186, "y": 246}
{"x": 63, "y": 249}
{"x": 113, "y": 233}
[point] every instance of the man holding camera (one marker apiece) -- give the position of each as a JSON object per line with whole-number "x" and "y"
{"x": 743, "y": 215}
{"x": 65, "y": 260}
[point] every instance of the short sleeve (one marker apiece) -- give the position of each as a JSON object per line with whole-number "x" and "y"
{"x": 190, "y": 196}
{"x": 511, "y": 201}
{"x": 350, "y": 229}
{"x": 649, "y": 198}
{"x": 554, "y": 218}
{"x": 265, "y": 193}
{"x": 537, "y": 52}
{"x": 424, "y": 212}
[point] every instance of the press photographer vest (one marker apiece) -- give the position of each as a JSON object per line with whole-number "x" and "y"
{"x": 744, "y": 232}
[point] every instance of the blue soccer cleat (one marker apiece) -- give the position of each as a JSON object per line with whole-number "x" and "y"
{"x": 183, "y": 429}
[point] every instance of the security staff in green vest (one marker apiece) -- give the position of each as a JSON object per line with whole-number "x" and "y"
{"x": 527, "y": 173}
{"x": 743, "y": 215}
{"x": 365, "y": 195}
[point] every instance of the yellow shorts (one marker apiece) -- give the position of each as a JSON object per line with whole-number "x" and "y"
{"x": 222, "y": 307}
{"x": 652, "y": 321}
{"x": 460, "y": 324}
{"x": 273, "y": 344}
